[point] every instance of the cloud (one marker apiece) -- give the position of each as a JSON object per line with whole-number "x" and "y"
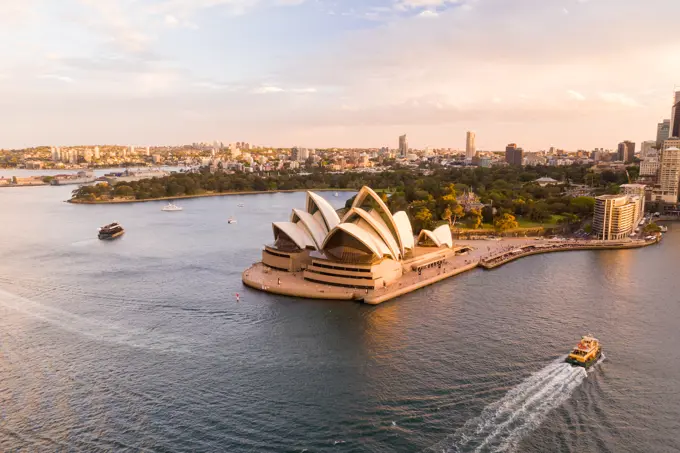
{"x": 428, "y": 14}
{"x": 268, "y": 89}
{"x": 57, "y": 77}
{"x": 575, "y": 95}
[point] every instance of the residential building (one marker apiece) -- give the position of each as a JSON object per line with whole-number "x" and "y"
{"x": 403, "y": 146}
{"x": 615, "y": 216}
{"x": 663, "y": 131}
{"x": 470, "y": 145}
{"x": 649, "y": 167}
{"x": 675, "y": 116}
{"x": 636, "y": 190}
{"x": 626, "y": 151}
{"x": 514, "y": 155}
{"x": 669, "y": 174}
{"x": 97, "y": 153}
{"x": 646, "y": 148}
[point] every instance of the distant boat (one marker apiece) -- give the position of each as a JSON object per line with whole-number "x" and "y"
{"x": 663, "y": 228}
{"x": 240, "y": 205}
{"x": 335, "y": 194}
{"x": 170, "y": 207}
{"x": 231, "y": 220}
{"x": 111, "y": 231}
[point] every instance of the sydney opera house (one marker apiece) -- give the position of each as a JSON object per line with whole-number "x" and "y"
{"x": 368, "y": 248}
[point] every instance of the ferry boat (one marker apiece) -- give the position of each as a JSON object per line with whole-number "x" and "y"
{"x": 111, "y": 231}
{"x": 586, "y": 353}
{"x": 171, "y": 207}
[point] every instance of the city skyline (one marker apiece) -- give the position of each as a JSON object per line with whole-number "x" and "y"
{"x": 323, "y": 74}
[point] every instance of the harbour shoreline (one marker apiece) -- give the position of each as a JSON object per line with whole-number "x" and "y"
{"x": 205, "y": 195}
{"x": 261, "y": 278}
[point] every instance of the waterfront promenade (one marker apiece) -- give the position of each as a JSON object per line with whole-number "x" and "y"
{"x": 487, "y": 254}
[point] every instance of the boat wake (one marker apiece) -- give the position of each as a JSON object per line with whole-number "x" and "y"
{"x": 92, "y": 328}
{"x": 502, "y": 425}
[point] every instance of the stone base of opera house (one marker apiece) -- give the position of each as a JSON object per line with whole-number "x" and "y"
{"x": 310, "y": 275}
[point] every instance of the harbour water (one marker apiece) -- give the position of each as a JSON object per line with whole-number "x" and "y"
{"x": 140, "y": 344}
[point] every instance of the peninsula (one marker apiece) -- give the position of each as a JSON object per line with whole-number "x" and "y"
{"x": 372, "y": 255}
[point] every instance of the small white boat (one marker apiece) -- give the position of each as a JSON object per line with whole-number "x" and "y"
{"x": 663, "y": 228}
{"x": 335, "y": 194}
{"x": 171, "y": 207}
{"x": 231, "y": 220}
{"x": 240, "y": 205}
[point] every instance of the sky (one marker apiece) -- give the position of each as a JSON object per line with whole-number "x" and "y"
{"x": 337, "y": 73}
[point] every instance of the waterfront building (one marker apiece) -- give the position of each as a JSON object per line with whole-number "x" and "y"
{"x": 662, "y": 132}
{"x": 514, "y": 155}
{"x": 368, "y": 248}
{"x": 636, "y": 190}
{"x": 669, "y": 174}
{"x": 403, "y": 146}
{"x": 616, "y": 216}
{"x": 470, "y": 149}
{"x": 675, "y": 116}
{"x": 626, "y": 151}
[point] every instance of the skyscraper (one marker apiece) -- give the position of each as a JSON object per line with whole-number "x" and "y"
{"x": 514, "y": 155}
{"x": 403, "y": 146}
{"x": 669, "y": 174}
{"x": 675, "y": 116}
{"x": 626, "y": 151}
{"x": 662, "y": 132}
{"x": 470, "y": 145}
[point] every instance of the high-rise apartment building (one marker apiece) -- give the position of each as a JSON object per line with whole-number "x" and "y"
{"x": 646, "y": 148}
{"x": 662, "y": 132}
{"x": 626, "y": 151}
{"x": 514, "y": 155}
{"x": 403, "y": 146}
{"x": 675, "y": 116}
{"x": 669, "y": 173}
{"x": 616, "y": 216}
{"x": 470, "y": 149}
{"x": 636, "y": 190}
{"x": 649, "y": 167}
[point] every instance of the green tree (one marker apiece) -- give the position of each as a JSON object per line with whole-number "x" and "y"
{"x": 424, "y": 218}
{"x": 651, "y": 228}
{"x": 474, "y": 219}
{"x": 505, "y": 222}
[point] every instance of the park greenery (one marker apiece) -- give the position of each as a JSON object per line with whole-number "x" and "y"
{"x": 430, "y": 196}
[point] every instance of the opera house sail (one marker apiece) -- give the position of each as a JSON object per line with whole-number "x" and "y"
{"x": 366, "y": 249}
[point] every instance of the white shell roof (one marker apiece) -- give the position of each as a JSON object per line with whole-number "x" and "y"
{"x": 315, "y": 230}
{"x": 404, "y": 229}
{"x": 359, "y": 234}
{"x": 330, "y": 216}
{"x": 443, "y": 233}
{"x": 368, "y": 192}
{"x": 376, "y": 223}
{"x": 431, "y": 236}
{"x": 296, "y": 233}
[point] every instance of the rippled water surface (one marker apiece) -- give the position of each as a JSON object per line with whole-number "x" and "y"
{"x": 140, "y": 345}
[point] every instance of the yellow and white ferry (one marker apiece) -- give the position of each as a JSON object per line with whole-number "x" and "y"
{"x": 586, "y": 353}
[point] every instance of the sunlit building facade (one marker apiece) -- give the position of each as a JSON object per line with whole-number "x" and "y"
{"x": 615, "y": 216}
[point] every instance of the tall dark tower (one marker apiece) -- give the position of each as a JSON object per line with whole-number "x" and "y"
{"x": 675, "y": 116}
